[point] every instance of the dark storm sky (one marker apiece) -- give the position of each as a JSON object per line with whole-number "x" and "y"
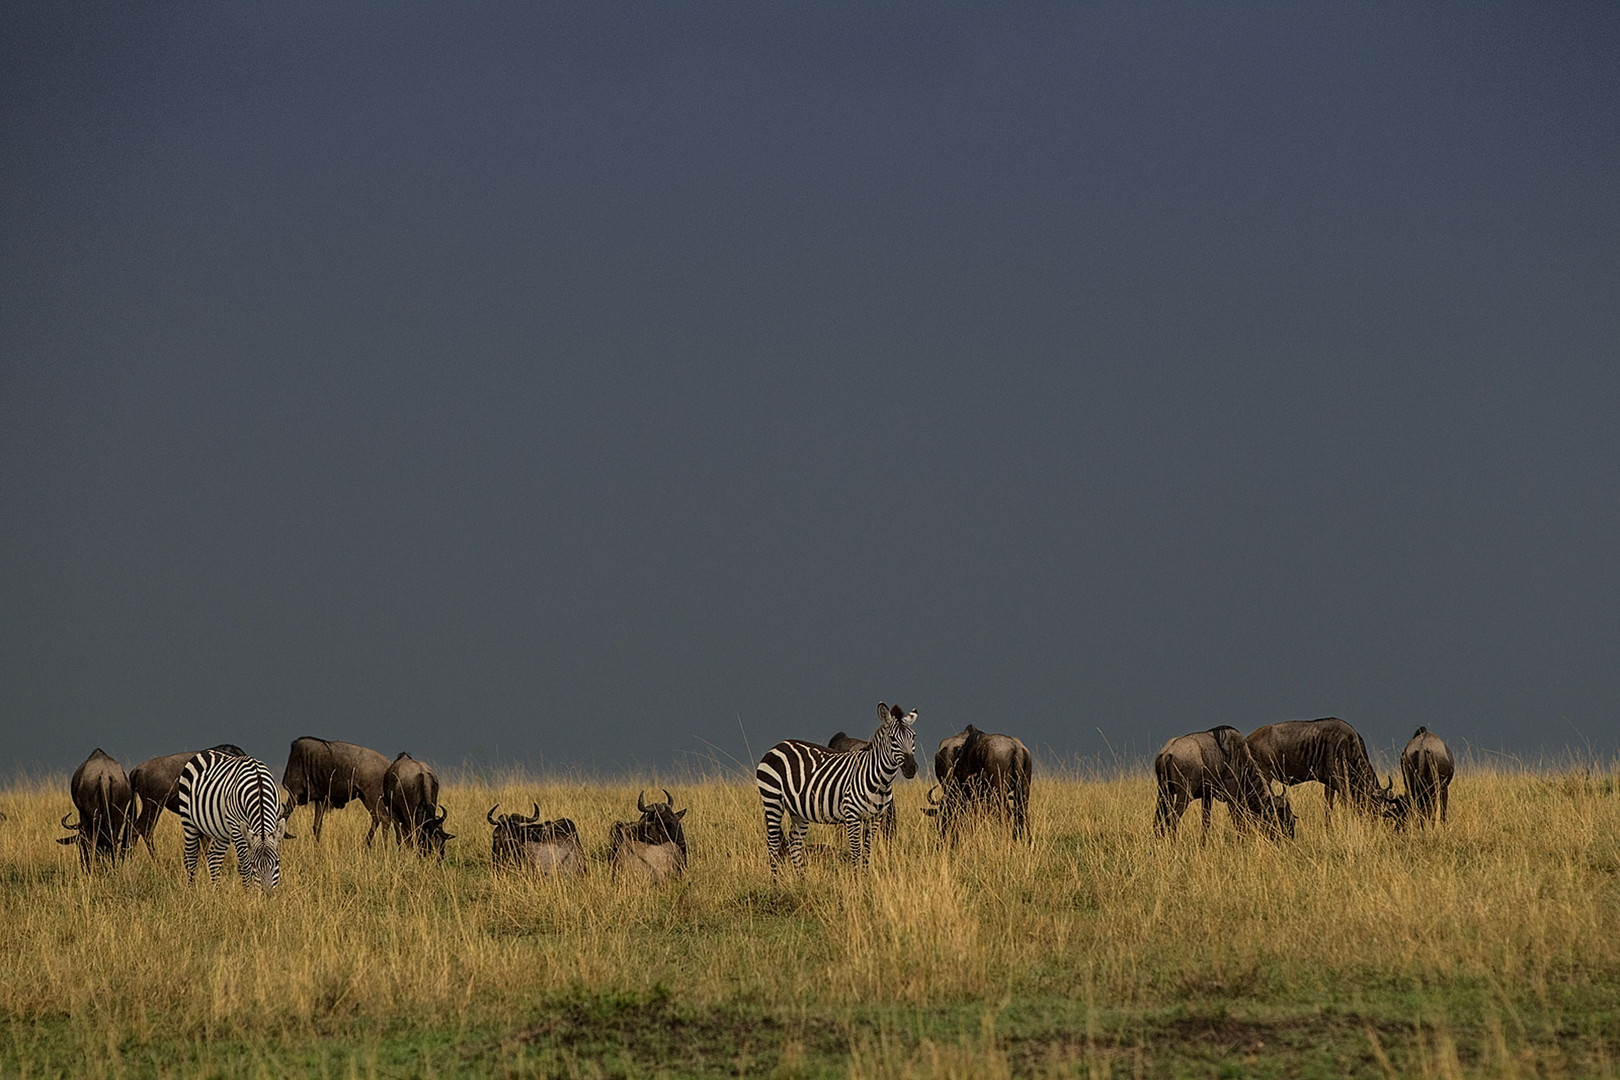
{"x": 585, "y": 387}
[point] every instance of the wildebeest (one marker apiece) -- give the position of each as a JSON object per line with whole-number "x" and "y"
{"x": 1211, "y": 765}
{"x": 888, "y": 823}
{"x": 988, "y": 774}
{"x": 1427, "y": 768}
{"x": 527, "y": 843}
{"x": 411, "y": 797}
{"x": 106, "y": 804}
{"x": 156, "y": 781}
{"x": 654, "y": 846}
{"x": 945, "y": 756}
{"x": 328, "y": 774}
{"x": 1328, "y": 751}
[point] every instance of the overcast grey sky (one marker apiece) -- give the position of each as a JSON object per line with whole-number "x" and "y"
{"x": 590, "y": 384}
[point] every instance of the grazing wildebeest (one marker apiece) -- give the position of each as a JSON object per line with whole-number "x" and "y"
{"x": 156, "y": 781}
{"x": 804, "y": 782}
{"x": 527, "y": 843}
{"x": 1427, "y": 768}
{"x": 411, "y": 796}
{"x": 1330, "y": 752}
{"x": 888, "y": 822}
{"x": 654, "y": 846}
{"x": 988, "y": 774}
{"x": 329, "y": 774}
{"x": 106, "y": 806}
{"x": 1211, "y": 765}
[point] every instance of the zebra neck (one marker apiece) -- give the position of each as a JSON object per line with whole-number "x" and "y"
{"x": 883, "y": 757}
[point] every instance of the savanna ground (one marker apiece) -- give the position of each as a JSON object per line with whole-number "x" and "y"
{"x": 1487, "y": 947}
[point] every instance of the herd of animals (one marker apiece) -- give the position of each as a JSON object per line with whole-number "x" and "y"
{"x": 225, "y": 798}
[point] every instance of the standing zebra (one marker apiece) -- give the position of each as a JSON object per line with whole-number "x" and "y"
{"x": 802, "y": 782}
{"x": 233, "y": 800}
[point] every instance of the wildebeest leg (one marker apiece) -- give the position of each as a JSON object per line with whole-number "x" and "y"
{"x": 1209, "y": 802}
{"x": 1328, "y": 813}
{"x": 1445, "y": 795}
{"x": 1020, "y": 811}
{"x": 1173, "y": 802}
{"x": 375, "y": 821}
{"x": 193, "y": 844}
{"x": 151, "y": 810}
{"x": 320, "y": 816}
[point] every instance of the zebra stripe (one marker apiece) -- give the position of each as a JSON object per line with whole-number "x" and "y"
{"x": 231, "y": 800}
{"x": 803, "y": 782}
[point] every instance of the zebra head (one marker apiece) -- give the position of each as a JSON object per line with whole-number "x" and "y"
{"x": 897, "y": 733}
{"x": 264, "y": 848}
{"x": 263, "y": 858}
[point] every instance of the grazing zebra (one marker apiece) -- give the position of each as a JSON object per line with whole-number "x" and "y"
{"x": 801, "y": 782}
{"x": 231, "y": 800}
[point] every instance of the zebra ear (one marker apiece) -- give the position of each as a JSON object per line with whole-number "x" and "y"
{"x": 883, "y": 711}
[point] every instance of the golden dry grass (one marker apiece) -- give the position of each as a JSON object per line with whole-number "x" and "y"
{"x": 1485, "y": 947}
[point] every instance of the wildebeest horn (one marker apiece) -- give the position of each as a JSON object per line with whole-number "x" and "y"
{"x": 65, "y": 824}
{"x": 534, "y": 815}
{"x": 490, "y": 817}
{"x": 931, "y": 800}
{"x": 641, "y": 803}
{"x": 444, "y": 812}
{"x": 668, "y": 798}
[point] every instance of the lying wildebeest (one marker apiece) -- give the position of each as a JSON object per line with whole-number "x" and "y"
{"x": 1427, "y": 768}
{"x": 1211, "y": 765}
{"x": 1330, "y": 752}
{"x": 887, "y": 823}
{"x": 106, "y": 806}
{"x": 988, "y": 774}
{"x": 411, "y": 796}
{"x": 156, "y": 781}
{"x": 655, "y": 845}
{"x": 527, "y": 843}
{"x": 329, "y": 774}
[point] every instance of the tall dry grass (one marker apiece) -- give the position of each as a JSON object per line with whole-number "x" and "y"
{"x": 1516, "y": 900}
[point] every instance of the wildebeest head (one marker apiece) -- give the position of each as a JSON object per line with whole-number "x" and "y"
{"x": 1280, "y": 813}
{"x": 1393, "y": 808}
{"x": 520, "y": 840}
{"x": 660, "y": 823}
{"x": 654, "y": 845}
{"x": 433, "y": 834}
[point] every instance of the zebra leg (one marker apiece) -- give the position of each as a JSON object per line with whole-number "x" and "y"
{"x": 242, "y": 865}
{"x": 855, "y": 828}
{"x": 216, "y": 860}
{"x": 775, "y": 841}
{"x": 193, "y": 845}
{"x": 795, "y": 842}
